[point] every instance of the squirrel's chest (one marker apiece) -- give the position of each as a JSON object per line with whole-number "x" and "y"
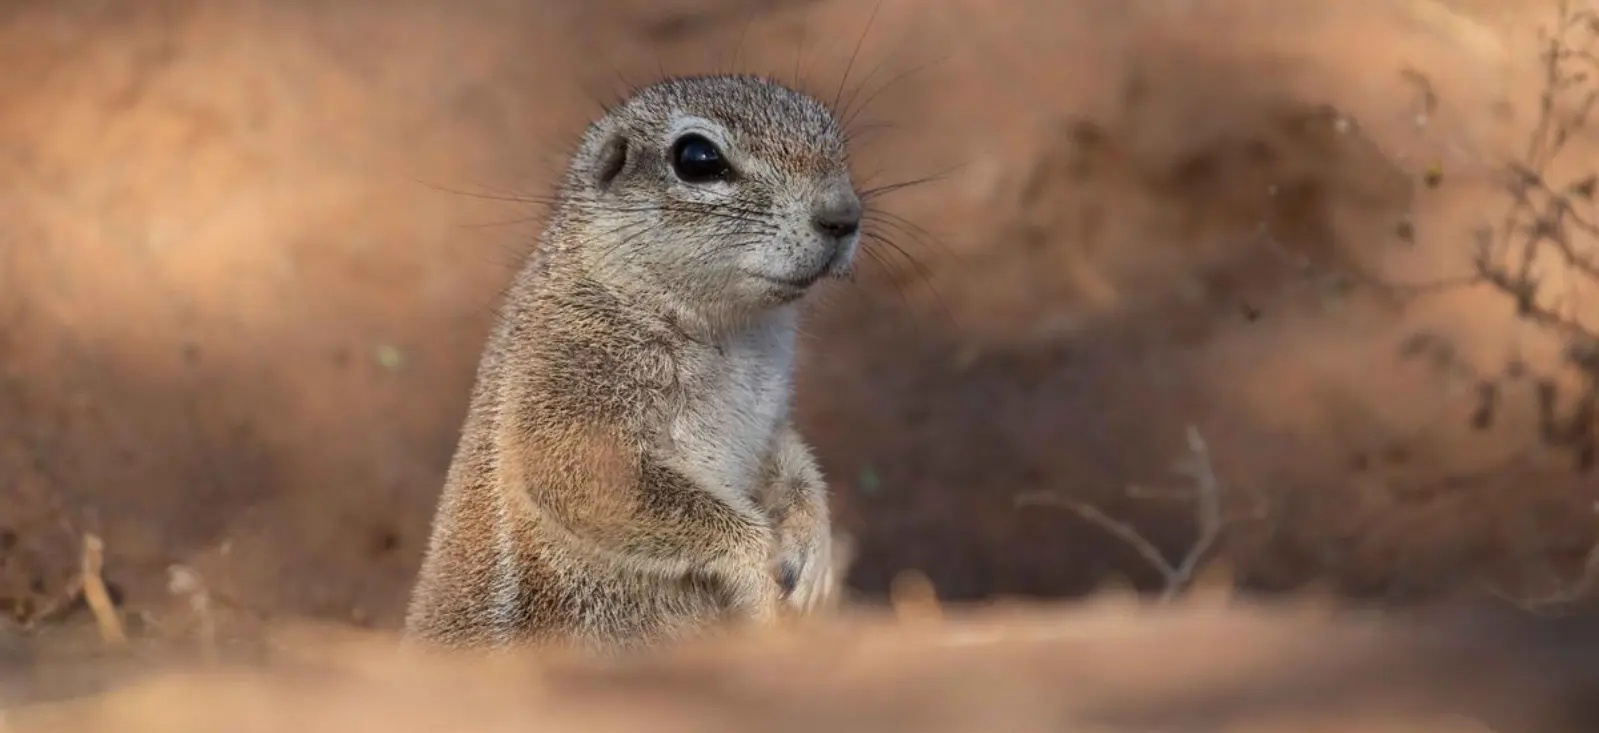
{"x": 734, "y": 399}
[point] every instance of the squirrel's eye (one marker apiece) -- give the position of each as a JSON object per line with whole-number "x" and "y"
{"x": 697, "y": 160}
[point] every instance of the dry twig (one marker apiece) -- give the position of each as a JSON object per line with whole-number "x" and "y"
{"x": 184, "y": 581}
{"x": 1556, "y": 219}
{"x": 56, "y": 604}
{"x": 96, "y": 594}
{"x": 1179, "y": 576}
{"x": 1573, "y": 592}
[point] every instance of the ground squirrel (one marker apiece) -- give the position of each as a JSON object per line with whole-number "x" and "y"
{"x": 629, "y": 472}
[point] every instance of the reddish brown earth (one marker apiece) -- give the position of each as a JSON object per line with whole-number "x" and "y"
{"x": 247, "y": 263}
{"x": 1095, "y": 668}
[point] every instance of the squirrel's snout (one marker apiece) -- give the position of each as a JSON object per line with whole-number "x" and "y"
{"x": 837, "y": 213}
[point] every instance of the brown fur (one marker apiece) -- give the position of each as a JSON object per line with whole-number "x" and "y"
{"x": 628, "y": 473}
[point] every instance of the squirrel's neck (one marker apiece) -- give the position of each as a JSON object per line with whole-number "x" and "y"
{"x": 776, "y": 324}
{"x": 716, "y": 327}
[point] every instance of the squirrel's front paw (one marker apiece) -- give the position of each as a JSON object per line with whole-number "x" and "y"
{"x": 753, "y": 596}
{"x": 805, "y": 573}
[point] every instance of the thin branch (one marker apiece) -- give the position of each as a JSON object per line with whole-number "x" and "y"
{"x": 1122, "y": 530}
{"x": 1208, "y": 515}
{"x": 97, "y": 595}
{"x": 1573, "y": 592}
{"x": 184, "y": 581}
{"x": 1208, "y": 505}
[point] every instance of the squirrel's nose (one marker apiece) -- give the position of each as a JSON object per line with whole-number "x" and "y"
{"x": 837, "y": 214}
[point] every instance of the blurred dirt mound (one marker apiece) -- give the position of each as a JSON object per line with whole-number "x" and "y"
{"x": 1099, "y": 668}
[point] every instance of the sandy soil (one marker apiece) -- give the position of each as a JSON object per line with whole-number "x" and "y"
{"x": 1100, "y": 668}
{"x": 249, "y": 251}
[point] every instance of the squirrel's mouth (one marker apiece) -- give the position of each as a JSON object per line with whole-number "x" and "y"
{"x": 799, "y": 283}
{"x": 833, "y": 266}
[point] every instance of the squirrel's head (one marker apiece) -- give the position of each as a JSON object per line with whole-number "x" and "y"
{"x": 720, "y": 197}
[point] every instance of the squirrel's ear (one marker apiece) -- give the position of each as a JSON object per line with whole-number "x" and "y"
{"x": 611, "y": 160}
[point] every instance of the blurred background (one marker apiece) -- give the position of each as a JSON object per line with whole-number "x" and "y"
{"x": 250, "y": 250}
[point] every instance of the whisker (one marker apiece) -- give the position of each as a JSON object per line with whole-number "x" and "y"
{"x": 922, "y": 272}
{"x": 515, "y": 199}
{"x": 749, "y": 19}
{"x": 799, "y": 53}
{"x": 855, "y": 133}
{"x": 893, "y": 281}
{"x": 895, "y": 222}
{"x": 884, "y": 190}
{"x": 503, "y": 223}
{"x": 850, "y": 66}
{"x": 851, "y": 115}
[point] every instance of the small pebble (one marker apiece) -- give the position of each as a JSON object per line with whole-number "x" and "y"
{"x": 390, "y": 357}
